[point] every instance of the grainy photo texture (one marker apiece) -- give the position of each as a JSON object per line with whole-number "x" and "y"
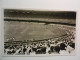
{"x": 34, "y": 32}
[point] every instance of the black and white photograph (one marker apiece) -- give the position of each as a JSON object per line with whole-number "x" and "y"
{"x": 39, "y": 32}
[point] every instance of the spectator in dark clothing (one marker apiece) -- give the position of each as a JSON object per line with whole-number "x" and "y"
{"x": 62, "y": 46}
{"x": 72, "y": 45}
{"x": 52, "y": 48}
{"x": 24, "y": 50}
{"x": 57, "y": 49}
{"x": 43, "y": 49}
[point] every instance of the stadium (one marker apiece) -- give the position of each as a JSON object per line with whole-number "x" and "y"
{"x": 34, "y": 32}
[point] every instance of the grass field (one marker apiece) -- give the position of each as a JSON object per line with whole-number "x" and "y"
{"x": 37, "y": 31}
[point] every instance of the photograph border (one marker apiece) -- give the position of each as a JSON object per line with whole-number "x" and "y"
{"x": 2, "y": 34}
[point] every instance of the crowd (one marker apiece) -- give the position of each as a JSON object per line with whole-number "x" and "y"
{"x": 60, "y": 46}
